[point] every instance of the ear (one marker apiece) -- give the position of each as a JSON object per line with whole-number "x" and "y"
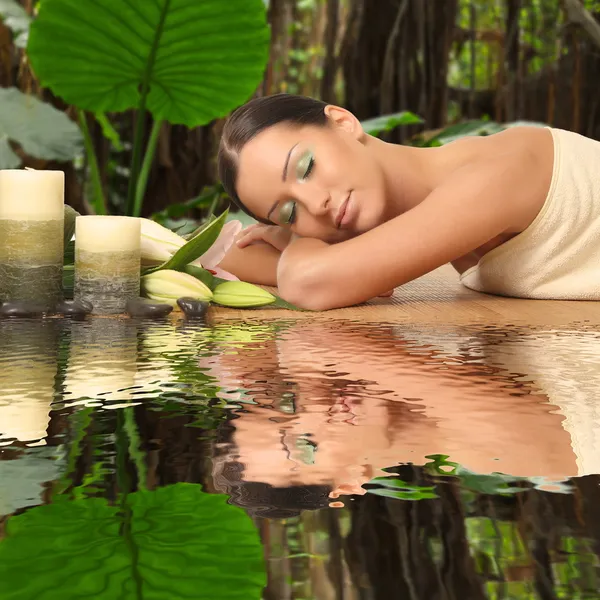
{"x": 340, "y": 117}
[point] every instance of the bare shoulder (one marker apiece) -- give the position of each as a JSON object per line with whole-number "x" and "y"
{"x": 528, "y": 139}
{"x": 525, "y": 154}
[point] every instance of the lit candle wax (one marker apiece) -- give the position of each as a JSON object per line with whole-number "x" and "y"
{"x": 107, "y": 262}
{"x": 31, "y": 236}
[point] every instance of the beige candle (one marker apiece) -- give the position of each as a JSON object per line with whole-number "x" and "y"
{"x": 31, "y": 236}
{"x": 107, "y": 262}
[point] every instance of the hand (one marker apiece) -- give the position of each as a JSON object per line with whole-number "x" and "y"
{"x": 275, "y": 236}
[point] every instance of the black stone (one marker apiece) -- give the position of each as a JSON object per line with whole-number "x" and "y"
{"x": 140, "y": 307}
{"x": 21, "y": 309}
{"x": 74, "y": 308}
{"x": 192, "y": 307}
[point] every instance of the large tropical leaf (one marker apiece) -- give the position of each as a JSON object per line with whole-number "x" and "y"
{"x": 383, "y": 123}
{"x": 15, "y": 17}
{"x": 200, "y": 58}
{"x": 40, "y": 129}
{"x": 176, "y": 542}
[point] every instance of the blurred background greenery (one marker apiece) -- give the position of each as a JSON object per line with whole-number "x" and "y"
{"x": 129, "y": 99}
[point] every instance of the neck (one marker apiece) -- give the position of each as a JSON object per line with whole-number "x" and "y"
{"x": 408, "y": 174}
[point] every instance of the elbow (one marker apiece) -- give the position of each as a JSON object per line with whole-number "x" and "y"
{"x": 306, "y": 291}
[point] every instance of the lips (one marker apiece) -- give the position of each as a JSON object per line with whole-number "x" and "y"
{"x": 342, "y": 212}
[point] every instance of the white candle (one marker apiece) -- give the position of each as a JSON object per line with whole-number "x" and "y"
{"x": 31, "y": 236}
{"x": 107, "y": 262}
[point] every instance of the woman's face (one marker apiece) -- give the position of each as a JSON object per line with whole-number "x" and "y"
{"x": 322, "y": 182}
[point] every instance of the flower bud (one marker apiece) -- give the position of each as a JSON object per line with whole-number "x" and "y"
{"x": 168, "y": 285}
{"x": 158, "y": 243}
{"x": 239, "y": 294}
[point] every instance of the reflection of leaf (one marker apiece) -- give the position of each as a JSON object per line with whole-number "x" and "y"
{"x": 493, "y": 483}
{"x": 40, "y": 129}
{"x": 175, "y": 542}
{"x": 393, "y": 487}
{"x": 488, "y": 483}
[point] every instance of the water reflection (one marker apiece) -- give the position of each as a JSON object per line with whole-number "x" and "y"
{"x": 28, "y": 369}
{"x": 298, "y": 423}
{"x": 335, "y": 405}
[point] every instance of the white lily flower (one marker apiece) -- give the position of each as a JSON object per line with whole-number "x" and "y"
{"x": 158, "y": 244}
{"x": 167, "y": 286}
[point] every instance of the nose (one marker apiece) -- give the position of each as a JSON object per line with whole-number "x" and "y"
{"x": 316, "y": 199}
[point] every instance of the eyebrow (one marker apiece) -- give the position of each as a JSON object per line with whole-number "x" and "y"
{"x": 287, "y": 162}
{"x": 283, "y": 178}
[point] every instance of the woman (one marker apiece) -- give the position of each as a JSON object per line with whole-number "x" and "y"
{"x": 345, "y": 216}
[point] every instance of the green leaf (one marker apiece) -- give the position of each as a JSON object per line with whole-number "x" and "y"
{"x": 108, "y": 131}
{"x": 70, "y": 215}
{"x": 175, "y": 542}
{"x": 200, "y": 58}
{"x": 15, "y": 17}
{"x": 467, "y": 128}
{"x": 207, "y": 196}
{"x": 40, "y": 129}
{"x": 388, "y": 122}
{"x": 280, "y": 303}
{"x": 8, "y": 159}
{"x": 195, "y": 248}
{"x": 206, "y": 277}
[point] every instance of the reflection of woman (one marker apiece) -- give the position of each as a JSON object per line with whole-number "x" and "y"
{"x": 515, "y": 212}
{"x": 364, "y": 399}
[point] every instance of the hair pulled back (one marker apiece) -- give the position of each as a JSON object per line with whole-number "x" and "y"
{"x": 246, "y": 122}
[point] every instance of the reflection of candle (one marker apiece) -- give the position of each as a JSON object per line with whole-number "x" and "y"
{"x": 28, "y": 368}
{"x": 31, "y": 236}
{"x": 107, "y": 262}
{"x": 102, "y": 363}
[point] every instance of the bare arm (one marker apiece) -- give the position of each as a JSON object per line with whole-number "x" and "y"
{"x": 476, "y": 204}
{"x": 256, "y": 263}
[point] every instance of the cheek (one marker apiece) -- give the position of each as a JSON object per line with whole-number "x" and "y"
{"x": 309, "y": 227}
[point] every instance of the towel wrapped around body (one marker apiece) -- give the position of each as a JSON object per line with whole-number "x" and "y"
{"x": 558, "y": 256}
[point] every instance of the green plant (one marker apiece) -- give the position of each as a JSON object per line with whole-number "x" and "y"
{"x": 38, "y": 128}
{"x": 184, "y": 62}
{"x": 386, "y": 123}
{"x": 176, "y": 541}
{"x": 15, "y": 17}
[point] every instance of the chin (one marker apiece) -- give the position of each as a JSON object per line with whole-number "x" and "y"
{"x": 368, "y": 216}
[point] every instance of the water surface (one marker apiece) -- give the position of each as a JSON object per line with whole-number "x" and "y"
{"x": 180, "y": 459}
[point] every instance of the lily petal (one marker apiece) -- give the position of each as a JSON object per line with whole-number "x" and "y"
{"x": 214, "y": 255}
{"x": 153, "y": 252}
{"x": 224, "y": 274}
{"x": 154, "y": 231}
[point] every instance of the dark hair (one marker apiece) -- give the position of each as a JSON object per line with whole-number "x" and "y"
{"x": 246, "y": 122}
{"x": 260, "y": 499}
{"x": 257, "y": 498}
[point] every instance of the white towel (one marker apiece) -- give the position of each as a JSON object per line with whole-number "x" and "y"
{"x": 558, "y": 255}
